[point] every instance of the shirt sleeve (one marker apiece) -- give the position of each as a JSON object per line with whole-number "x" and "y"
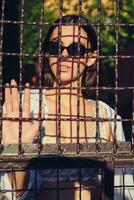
{"x": 34, "y": 104}
{"x": 116, "y": 127}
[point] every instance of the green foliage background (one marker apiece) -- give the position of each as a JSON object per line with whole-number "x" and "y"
{"x": 32, "y": 12}
{"x": 108, "y": 33}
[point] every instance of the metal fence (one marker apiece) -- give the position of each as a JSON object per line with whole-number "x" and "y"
{"x": 103, "y": 157}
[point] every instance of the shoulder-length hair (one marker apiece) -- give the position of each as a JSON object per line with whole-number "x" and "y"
{"x": 89, "y": 75}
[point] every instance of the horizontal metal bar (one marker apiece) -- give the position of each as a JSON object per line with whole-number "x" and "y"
{"x": 121, "y": 155}
{"x": 35, "y": 55}
{"x": 65, "y": 118}
{"x": 40, "y": 23}
{"x": 95, "y": 88}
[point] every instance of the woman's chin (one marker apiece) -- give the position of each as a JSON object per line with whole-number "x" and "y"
{"x": 65, "y": 81}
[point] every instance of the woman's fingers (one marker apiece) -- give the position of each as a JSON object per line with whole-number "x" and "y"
{"x": 26, "y": 102}
{"x": 37, "y": 123}
{"x": 15, "y": 98}
{"x": 12, "y": 99}
{"x": 8, "y": 99}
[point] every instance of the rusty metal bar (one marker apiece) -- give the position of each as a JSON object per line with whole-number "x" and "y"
{"x": 123, "y": 156}
{"x": 52, "y": 23}
{"x": 103, "y": 155}
{"x": 1, "y": 58}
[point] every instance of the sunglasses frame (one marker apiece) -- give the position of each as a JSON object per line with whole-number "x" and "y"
{"x": 86, "y": 50}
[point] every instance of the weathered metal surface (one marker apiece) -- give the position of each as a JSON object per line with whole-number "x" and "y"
{"x": 90, "y": 154}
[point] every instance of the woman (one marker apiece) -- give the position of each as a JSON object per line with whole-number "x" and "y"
{"x": 68, "y": 74}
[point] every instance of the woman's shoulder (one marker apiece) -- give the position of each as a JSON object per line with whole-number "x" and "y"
{"x": 95, "y": 102}
{"x": 108, "y": 113}
{"x": 101, "y": 106}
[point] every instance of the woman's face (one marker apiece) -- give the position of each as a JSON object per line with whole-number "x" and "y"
{"x": 66, "y": 67}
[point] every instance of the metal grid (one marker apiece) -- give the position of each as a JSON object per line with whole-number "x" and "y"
{"x": 87, "y": 155}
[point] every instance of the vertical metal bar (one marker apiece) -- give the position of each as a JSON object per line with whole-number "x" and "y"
{"x": 73, "y": 66}
{"x": 78, "y": 81}
{"x": 20, "y": 151}
{"x": 40, "y": 60}
{"x": 71, "y": 94}
{"x": 58, "y": 112}
{"x": 116, "y": 69}
{"x": 108, "y": 173}
{"x": 70, "y": 101}
{"x": 85, "y": 122}
{"x": 1, "y": 77}
{"x": 97, "y": 81}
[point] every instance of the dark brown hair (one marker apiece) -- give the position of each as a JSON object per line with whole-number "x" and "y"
{"x": 89, "y": 74}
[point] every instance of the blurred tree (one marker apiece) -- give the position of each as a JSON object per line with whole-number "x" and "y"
{"x": 89, "y": 9}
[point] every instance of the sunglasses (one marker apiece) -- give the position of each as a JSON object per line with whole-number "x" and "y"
{"x": 74, "y": 49}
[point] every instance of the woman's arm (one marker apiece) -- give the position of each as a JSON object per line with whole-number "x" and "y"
{"x": 10, "y": 129}
{"x": 19, "y": 181}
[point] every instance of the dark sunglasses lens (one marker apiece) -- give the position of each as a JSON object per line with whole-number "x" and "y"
{"x": 76, "y": 50}
{"x": 53, "y": 48}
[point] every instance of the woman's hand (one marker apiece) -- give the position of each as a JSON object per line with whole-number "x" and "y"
{"x": 10, "y": 128}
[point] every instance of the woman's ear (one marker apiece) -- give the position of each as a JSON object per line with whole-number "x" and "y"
{"x": 91, "y": 58}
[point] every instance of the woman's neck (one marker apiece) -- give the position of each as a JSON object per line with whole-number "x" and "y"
{"x": 70, "y": 88}
{"x": 69, "y": 93}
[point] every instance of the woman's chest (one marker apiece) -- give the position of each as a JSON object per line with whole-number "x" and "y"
{"x": 71, "y": 122}
{"x": 70, "y": 131}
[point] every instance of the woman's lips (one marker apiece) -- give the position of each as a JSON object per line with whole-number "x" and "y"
{"x": 65, "y": 68}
